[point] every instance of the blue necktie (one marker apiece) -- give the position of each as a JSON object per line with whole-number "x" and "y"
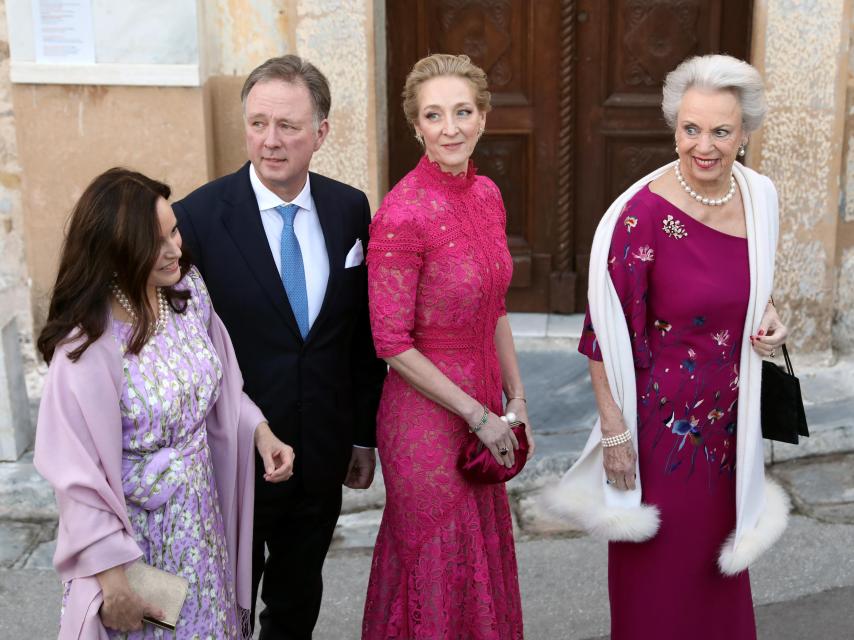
{"x": 293, "y": 271}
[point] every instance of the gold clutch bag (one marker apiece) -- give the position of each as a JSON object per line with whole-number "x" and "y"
{"x": 159, "y": 588}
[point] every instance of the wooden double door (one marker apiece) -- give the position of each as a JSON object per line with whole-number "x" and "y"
{"x": 576, "y": 93}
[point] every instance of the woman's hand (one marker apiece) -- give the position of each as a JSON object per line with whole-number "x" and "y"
{"x": 771, "y": 335}
{"x": 122, "y": 609}
{"x": 520, "y": 408}
{"x": 621, "y": 461}
{"x": 497, "y": 436}
{"x": 278, "y": 457}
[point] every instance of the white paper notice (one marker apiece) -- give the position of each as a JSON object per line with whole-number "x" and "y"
{"x": 63, "y": 31}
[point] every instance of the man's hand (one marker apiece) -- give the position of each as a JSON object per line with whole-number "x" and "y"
{"x": 278, "y": 458}
{"x": 360, "y": 473}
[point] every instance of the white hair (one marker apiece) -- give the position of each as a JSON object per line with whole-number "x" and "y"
{"x": 716, "y": 73}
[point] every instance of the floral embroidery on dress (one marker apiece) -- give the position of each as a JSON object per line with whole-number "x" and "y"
{"x": 693, "y": 420}
{"x": 721, "y": 338}
{"x": 663, "y": 326}
{"x": 674, "y": 228}
{"x": 715, "y": 414}
{"x": 631, "y": 222}
{"x": 644, "y": 254}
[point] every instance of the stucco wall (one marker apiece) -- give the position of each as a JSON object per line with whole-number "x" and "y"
{"x": 69, "y": 134}
{"x": 802, "y": 49}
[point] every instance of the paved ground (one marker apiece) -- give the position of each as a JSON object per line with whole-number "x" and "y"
{"x": 803, "y": 588}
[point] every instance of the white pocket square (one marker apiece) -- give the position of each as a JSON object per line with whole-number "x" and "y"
{"x": 355, "y": 256}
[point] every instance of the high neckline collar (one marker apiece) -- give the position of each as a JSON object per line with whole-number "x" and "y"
{"x": 456, "y": 181}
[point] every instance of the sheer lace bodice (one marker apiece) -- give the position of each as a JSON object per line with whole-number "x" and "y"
{"x": 439, "y": 266}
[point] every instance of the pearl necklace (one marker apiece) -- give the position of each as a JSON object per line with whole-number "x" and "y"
{"x": 162, "y": 306}
{"x": 714, "y": 202}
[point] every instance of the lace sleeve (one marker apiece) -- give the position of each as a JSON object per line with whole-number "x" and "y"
{"x": 394, "y": 263}
{"x": 502, "y": 229}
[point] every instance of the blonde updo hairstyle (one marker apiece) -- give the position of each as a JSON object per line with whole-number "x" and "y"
{"x": 444, "y": 64}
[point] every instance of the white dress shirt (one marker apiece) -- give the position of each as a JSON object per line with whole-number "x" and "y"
{"x": 309, "y": 234}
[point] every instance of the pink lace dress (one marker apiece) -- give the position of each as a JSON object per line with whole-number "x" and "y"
{"x": 444, "y": 563}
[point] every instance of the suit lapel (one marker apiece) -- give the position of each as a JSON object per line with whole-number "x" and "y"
{"x": 242, "y": 221}
{"x": 330, "y": 223}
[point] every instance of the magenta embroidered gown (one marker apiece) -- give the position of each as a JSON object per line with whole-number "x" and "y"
{"x": 444, "y": 563}
{"x": 684, "y": 288}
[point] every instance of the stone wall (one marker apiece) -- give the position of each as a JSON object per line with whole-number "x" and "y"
{"x": 16, "y": 349}
{"x": 802, "y": 50}
{"x": 843, "y": 318}
{"x": 344, "y": 38}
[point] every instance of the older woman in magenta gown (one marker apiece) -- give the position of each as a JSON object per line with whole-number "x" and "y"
{"x": 680, "y": 265}
{"x": 438, "y": 270}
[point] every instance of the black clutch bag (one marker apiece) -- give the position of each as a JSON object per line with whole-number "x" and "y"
{"x": 783, "y": 416}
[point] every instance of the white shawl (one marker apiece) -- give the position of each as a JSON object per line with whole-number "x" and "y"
{"x": 762, "y": 506}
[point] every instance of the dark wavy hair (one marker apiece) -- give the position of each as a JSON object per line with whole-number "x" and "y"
{"x": 113, "y": 233}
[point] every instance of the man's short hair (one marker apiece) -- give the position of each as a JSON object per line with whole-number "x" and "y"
{"x": 291, "y": 68}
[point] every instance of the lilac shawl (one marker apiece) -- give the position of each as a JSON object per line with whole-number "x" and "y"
{"x": 79, "y": 451}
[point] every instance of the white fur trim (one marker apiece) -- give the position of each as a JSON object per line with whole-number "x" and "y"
{"x": 628, "y": 524}
{"x": 735, "y": 558}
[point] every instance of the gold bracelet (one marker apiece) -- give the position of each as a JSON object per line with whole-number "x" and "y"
{"x": 517, "y": 398}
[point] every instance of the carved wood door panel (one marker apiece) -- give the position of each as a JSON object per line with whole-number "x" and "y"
{"x": 516, "y": 44}
{"x": 576, "y": 88}
{"x": 625, "y": 50}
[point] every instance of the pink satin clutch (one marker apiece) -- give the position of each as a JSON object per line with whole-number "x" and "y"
{"x": 477, "y": 464}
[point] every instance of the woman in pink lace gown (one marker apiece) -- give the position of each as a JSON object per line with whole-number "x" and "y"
{"x": 444, "y": 564}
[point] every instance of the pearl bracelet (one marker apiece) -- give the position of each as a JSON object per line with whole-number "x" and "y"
{"x": 617, "y": 440}
{"x": 483, "y": 420}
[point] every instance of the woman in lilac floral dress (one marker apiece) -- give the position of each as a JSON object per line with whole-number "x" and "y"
{"x": 143, "y": 429}
{"x": 689, "y": 254}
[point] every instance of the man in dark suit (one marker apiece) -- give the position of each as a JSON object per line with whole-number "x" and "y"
{"x": 282, "y": 253}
